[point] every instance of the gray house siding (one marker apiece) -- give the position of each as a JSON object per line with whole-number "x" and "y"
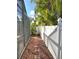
{"x": 23, "y": 27}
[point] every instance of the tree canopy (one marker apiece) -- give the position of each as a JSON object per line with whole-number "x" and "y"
{"x": 50, "y": 11}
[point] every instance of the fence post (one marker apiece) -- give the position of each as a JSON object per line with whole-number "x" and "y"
{"x": 59, "y": 37}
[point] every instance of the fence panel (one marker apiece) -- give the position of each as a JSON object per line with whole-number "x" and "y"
{"x": 54, "y": 42}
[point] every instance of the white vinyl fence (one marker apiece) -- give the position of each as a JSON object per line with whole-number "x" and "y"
{"x": 52, "y": 37}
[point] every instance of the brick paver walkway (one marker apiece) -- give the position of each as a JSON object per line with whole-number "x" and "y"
{"x": 36, "y": 49}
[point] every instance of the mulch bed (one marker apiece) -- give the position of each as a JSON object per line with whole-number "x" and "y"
{"x": 36, "y": 49}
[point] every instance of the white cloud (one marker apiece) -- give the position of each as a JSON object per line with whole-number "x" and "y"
{"x": 32, "y": 13}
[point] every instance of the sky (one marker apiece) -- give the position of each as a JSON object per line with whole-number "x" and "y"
{"x": 29, "y": 8}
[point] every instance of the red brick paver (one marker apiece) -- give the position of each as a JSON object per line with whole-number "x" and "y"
{"x": 36, "y": 49}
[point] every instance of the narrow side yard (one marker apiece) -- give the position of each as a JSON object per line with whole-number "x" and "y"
{"x": 36, "y": 49}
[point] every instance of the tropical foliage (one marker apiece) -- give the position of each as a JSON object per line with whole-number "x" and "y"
{"x": 49, "y": 10}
